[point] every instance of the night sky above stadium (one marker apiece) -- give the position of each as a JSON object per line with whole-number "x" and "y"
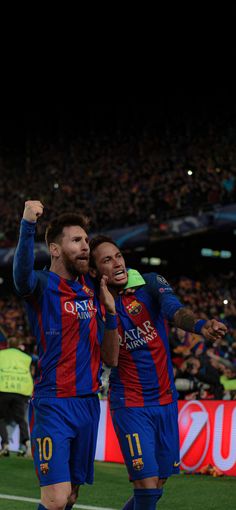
{"x": 73, "y": 115}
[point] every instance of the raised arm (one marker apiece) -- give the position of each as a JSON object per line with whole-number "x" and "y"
{"x": 24, "y": 276}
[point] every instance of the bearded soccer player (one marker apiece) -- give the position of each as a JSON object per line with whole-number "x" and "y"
{"x": 142, "y": 395}
{"x": 63, "y": 314}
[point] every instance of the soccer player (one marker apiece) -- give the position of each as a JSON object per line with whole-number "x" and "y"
{"x": 143, "y": 398}
{"x": 63, "y": 314}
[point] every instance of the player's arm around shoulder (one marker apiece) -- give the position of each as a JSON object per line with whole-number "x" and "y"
{"x": 24, "y": 276}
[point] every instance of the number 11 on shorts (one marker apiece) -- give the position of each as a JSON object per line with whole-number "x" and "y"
{"x": 134, "y": 437}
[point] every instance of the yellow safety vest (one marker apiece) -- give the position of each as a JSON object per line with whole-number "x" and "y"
{"x": 15, "y": 376}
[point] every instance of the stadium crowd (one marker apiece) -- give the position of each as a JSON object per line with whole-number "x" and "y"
{"x": 121, "y": 179}
{"x": 203, "y": 370}
{"x": 125, "y": 177}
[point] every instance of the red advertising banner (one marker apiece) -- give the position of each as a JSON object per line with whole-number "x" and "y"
{"x": 112, "y": 447}
{"x": 207, "y": 436}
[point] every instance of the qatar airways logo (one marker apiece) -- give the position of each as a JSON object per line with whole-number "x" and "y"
{"x": 139, "y": 336}
{"x": 208, "y": 435}
{"x": 81, "y": 309}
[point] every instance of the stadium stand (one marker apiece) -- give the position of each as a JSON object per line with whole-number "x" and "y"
{"x": 128, "y": 178}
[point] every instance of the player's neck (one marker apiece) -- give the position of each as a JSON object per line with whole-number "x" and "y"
{"x": 60, "y": 270}
{"x": 115, "y": 291}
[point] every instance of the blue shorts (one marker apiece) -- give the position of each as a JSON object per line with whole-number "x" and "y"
{"x": 63, "y": 438}
{"x": 149, "y": 440}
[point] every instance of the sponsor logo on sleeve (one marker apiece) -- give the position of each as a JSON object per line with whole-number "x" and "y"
{"x": 162, "y": 280}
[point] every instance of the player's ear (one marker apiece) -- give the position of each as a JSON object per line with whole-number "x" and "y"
{"x": 54, "y": 249}
{"x": 93, "y": 272}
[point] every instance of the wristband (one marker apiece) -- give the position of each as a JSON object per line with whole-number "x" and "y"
{"x": 198, "y": 326}
{"x": 111, "y": 321}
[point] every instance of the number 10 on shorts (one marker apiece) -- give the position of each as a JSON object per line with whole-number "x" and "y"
{"x": 45, "y": 448}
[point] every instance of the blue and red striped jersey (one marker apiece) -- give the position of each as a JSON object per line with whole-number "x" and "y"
{"x": 144, "y": 375}
{"x": 63, "y": 316}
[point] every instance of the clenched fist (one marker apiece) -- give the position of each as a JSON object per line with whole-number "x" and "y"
{"x": 214, "y": 330}
{"x": 33, "y": 210}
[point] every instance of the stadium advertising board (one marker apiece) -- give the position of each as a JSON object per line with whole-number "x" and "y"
{"x": 207, "y": 436}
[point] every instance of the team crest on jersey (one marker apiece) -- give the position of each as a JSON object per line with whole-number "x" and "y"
{"x": 138, "y": 464}
{"x": 134, "y": 308}
{"x": 44, "y": 468}
{"x": 87, "y": 290}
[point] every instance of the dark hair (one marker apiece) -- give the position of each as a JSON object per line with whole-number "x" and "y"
{"x": 94, "y": 243}
{"x": 54, "y": 229}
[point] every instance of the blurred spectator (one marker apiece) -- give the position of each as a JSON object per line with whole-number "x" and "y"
{"x": 203, "y": 379}
{"x": 12, "y": 317}
{"x": 197, "y": 362}
{"x": 3, "y": 338}
{"x": 16, "y": 386}
{"x": 184, "y": 344}
{"x": 127, "y": 177}
{"x": 228, "y": 380}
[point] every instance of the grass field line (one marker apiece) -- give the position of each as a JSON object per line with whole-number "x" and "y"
{"x": 33, "y": 500}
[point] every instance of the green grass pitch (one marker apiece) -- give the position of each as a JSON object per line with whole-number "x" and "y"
{"x": 111, "y": 488}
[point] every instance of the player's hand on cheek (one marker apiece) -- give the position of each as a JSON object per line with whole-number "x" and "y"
{"x": 106, "y": 297}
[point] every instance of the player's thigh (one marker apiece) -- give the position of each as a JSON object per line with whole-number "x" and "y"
{"x": 50, "y": 440}
{"x": 137, "y": 435}
{"x": 83, "y": 446}
{"x": 56, "y": 495}
{"x": 167, "y": 440}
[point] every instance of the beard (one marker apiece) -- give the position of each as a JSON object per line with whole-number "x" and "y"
{"x": 75, "y": 267}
